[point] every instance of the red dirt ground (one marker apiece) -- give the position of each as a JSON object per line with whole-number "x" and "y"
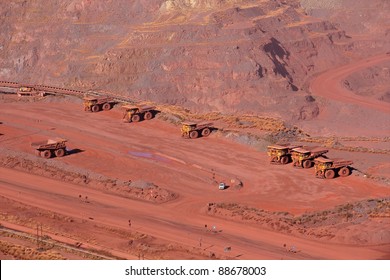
{"x": 139, "y": 190}
{"x": 153, "y": 151}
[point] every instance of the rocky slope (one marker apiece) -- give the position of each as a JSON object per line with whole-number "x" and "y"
{"x": 207, "y": 55}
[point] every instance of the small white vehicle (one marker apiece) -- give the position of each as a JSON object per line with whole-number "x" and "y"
{"x": 221, "y": 186}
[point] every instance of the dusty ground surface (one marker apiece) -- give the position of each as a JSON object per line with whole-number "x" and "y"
{"x": 264, "y": 71}
{"x": 167, "y": 186}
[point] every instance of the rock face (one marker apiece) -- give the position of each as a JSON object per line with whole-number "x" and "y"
{"x": 241, "y": 56}
{"x": 372, "y": 81}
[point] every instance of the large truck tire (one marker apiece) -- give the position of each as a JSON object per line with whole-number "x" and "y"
{"x": 106, "y": 106}
{"x": 329, "y": 174}
{"x": 284, "y": 160}
{"x": 206, "y": 132}
{"x": 344, "y": 171}
{"x": 135, "y": 118}
{"x": 194, "y": 134}
{"x": 95, "y": 108}
{"x": 307, "y": 164}
{"x": 46, "y": 154}
{"x": 59, "y": 153}
{"x": 148, "y": 115}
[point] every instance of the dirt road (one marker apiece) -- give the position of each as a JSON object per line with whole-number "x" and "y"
{"x": 330, "y": 84}
{"x": 341, "y": 111}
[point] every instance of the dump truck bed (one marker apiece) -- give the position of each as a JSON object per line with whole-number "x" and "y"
{"x": 341, "y": 162}
{"x": 282, "y": 147}
{"x": 146, "y": 108}
{"x": 141, "y": 109}
{"x": 310, "y": 150}
{"x": 49, "y": 144}
{"x": 203, "y": 124}
{"x": 323, "y": 160}
{"x": 189, "y": 123}
{"x": 198, "y": 125}
{"x": 98, "y": 99}
{"x": 337, "y": 162}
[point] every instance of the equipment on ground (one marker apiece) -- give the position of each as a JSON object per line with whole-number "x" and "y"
{"x": 47, "y": 149}
{"x": 96, "y": 104}
{"x": 136, "y": 113}
{"x": 280, "y": 154}
{"x": 194, "y": 130}
{"x": 29, "y": 91}
{"x": 304, "y": 157}
{"x": 328, "y": 168}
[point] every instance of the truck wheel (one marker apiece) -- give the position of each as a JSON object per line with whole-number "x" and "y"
{"x": 344, "y": 172}
{"x": 194, "y": 134}
{"x": 148, "y": 116}
{"x": 135, "y": 118}
{"x": 306, "y": 164}
{"x": 284, "y": 160}
{"x": 59, "y": 153}
{"x": 38, "y": 153}
{"x": 106, "y": 106}
{"x": 95, "y": 108}
{"x": 329, "y": 174}
{"x": 206, "y": 132}
{"x": 46, "y": 154}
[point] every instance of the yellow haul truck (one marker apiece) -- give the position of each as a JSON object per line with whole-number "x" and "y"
{"x": 195, "y": 129}
{"x": 47, "y": 149}
{"x": 96, "y": 104}
{"x": 136, "y": 113}
{"x": 280, "y": 154}
{"x": 304, "y": 157}
{"x": 328, "y": 168}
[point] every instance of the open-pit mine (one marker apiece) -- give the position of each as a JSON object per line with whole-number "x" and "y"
{"x": 199, "y": 129}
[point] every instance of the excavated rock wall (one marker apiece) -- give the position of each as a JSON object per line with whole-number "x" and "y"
{"x": 241, "y": 56}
